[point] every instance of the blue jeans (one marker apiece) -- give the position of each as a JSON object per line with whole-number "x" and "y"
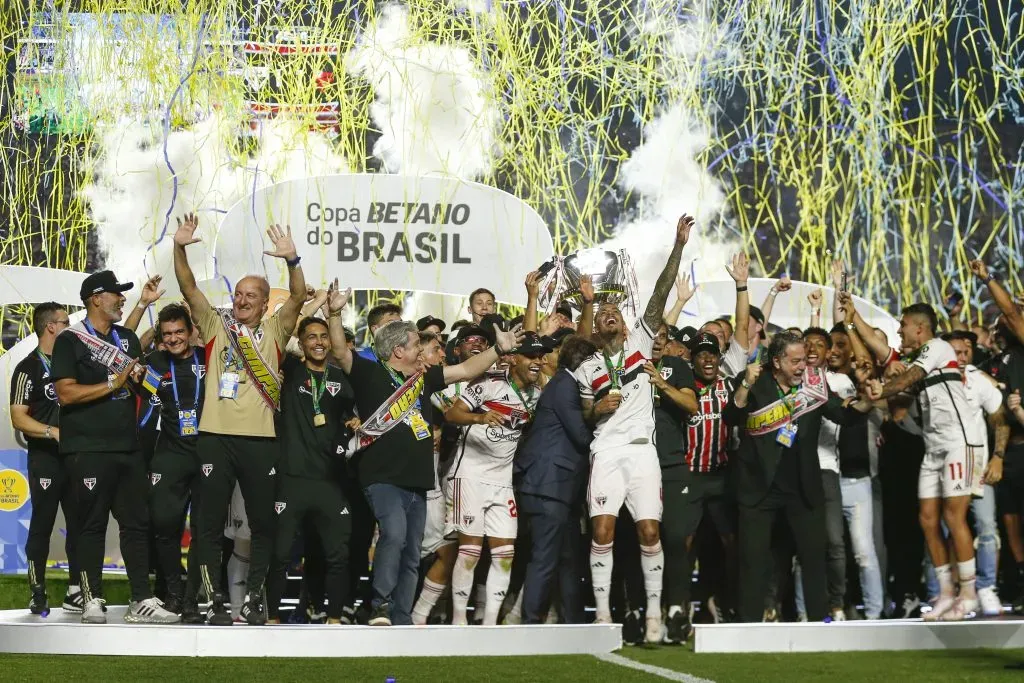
{"x": 858, "y": 510}
{"x": 400, "y": 514}
{"x": 986, "y": 544}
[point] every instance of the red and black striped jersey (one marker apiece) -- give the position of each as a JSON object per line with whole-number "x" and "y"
{"x": 708, "y": 433}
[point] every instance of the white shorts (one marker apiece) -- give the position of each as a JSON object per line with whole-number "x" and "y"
{"x": 481, "y": 509}
{"x": 628, "y": 474}
{"x": 949, "y": 473}
{"x": 237, "y": 527}
{"x": 434, "y": 537}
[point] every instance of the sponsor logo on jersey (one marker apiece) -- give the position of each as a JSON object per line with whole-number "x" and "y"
{"x": 90, "y": 482}
{"x": 273, "y": 471}
{"x": 155, "y": 477}
{"x": 207, "y": 469}
{"x": 344, "y": 511}
{"x": 279, "y": 507}
{"x": 45, "y": 483}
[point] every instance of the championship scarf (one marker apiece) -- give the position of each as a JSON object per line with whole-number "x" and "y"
{"x": 244, "y": 346}
{"x": 813, "y": 394}
{"x": 391, "y": 413}
{"x": 110, "y": 356}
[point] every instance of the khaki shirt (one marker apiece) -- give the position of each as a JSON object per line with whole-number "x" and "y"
{"x": 248, "y": 414}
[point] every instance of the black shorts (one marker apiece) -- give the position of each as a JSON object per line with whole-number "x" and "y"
{"x": 1010, "y": 491}
{"x": 688, "y": 497}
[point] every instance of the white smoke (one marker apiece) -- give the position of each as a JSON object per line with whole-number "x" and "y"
{"x": 664, "y": 169}
{"x": 435, "y": 110}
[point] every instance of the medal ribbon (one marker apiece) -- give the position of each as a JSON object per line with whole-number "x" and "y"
{"x": 317, "y": 391}
{"x": 615, "y": 373}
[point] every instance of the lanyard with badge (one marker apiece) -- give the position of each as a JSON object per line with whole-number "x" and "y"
{"x": 117, "y": 342}
{"x": 317, "y": 392}
{"x": 787, "y": 433}
{"x": 414, "y": 419}
{"x": 522, "y": 399}
{"x": 188, "y": 420}
{"x": 229, "y": 379}
{"x": 615, "y": 371}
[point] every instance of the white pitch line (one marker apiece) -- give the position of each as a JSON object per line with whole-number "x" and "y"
{"x": 671, "y": 675}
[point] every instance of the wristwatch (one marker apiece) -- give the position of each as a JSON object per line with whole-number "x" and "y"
{"x": 744, "y": 383}
{"x": 851, "y": 327}
{"x": 47, "y": 433}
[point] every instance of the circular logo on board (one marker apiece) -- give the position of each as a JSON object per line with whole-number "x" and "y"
{"x": 13, "y": 490}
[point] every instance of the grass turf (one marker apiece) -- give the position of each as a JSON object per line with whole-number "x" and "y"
{"x": 905, "y": 667}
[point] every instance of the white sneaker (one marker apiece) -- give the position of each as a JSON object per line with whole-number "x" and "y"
{"x": 603, "y": 618}
{"x": 838, "y": 614}
{"x": 150, "y": 611}
{"x": 990, "y": 603}
{"x": 654, "y": 633}
{"x": 962, "y": 609}
{"x": 93, "y": 612}
{"x": 941, "y": 606}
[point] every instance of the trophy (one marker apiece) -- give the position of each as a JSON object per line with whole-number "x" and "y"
{"x": 611, "y": 273}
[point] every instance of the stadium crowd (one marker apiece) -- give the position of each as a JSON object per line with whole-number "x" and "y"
{"x": 531, "y": 466}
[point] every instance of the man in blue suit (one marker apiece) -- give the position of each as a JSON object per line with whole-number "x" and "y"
{"x": 550, "y": 474}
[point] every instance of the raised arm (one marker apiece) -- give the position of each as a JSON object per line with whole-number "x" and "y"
{"x": 684, "y": 292}
{"x": 336, "y": 302}
{"x": 149, "y": 295}
{"x": 532, "y": 292}
{"x": 1002, "y": 298}
{"x": 478, "y": 364}
{"x": 585, "y": 325}
{"x": 739, "y": 271}
{"x": 878, "y": 348}
{"x": 838, "y": 269}
{"x": 284, "y": 248}
{"x": 656, "y": 305}
{"x": 184, "y": 236}
{"x": 814, "y": 298}
{"x": 784, "y": 284}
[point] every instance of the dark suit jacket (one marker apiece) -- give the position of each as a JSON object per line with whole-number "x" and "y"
{"x": 758, "y": 457}
{"x": 554, "y": 459}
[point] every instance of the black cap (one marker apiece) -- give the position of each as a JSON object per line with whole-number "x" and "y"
{"x": 705, "y": 342}
{"x": 757, "y": 315}
{"x": 565, "y": 309}
{"x": 472, "y": 331}
{"x": 491, "y": 324}
{"x": 350, "y": 334}
{"x": 518, "y": 320}
{"x": 428, "y": 320}
{"x": 685, "y": 335}
{"x": 531, "y": 344}
{"x": 103, "y": 281}
{"x": 555, "y": 339}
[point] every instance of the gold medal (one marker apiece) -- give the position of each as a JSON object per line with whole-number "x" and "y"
{"x": 319, "y": 420}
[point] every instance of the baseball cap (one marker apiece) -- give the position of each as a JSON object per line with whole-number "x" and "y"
{"x": 555, "y": 339}
{"x": 685, "y": 335}
{"x": 705, "y": 342}
{"x": 565, "y": 309}
{"x": 757, "y": 315}
{"x": 350, "y": 334}
{"x": 472, "y": 331}
{"x": 531, "y": 344}
{"x": 103, "y": 281}
{"x": 428, "y": 320}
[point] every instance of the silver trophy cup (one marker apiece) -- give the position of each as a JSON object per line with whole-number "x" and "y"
{"x": 611, "y": 274}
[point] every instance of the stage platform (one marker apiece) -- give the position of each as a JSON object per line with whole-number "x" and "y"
{"x": 852, "y": 636}
{"x": 60, "y": 633}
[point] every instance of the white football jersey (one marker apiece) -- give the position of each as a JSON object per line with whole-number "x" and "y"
{"x": 984, "y": 398}
{"x": 485, "y": 452}
{"x": 633, "y": 421}
{"x": 942, "y": 402}
{"x": 828, "y": 436}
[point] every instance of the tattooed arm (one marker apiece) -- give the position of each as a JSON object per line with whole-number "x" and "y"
{"x": 656, "y": 306}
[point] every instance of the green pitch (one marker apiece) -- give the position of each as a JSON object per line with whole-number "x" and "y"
{"x": 885, "y": 667}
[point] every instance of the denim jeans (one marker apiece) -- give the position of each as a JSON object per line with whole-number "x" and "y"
{"x": 858, "y": 510}
{"x": 400, "y": 514}
{"x": 986, "y": 544}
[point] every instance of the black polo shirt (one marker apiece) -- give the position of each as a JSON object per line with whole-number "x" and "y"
{"x": 32, "y": 386}
{"x": 399, "y": 457}
{"x": 308, "y": 450}
{"x": 189, "y": 375}
{"x": 106, "y": 424}
{"x": 670, "y": 420}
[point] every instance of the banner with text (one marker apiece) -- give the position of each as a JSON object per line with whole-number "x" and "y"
{"x": 380, "y": 231}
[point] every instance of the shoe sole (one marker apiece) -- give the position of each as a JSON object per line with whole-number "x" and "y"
{"x": 72, "y": 609}
{"x": 94, "y": 620}
{"x": 380, "y": 622}
{"x": 129, "y": 619}
{"x": 214, "y": 621}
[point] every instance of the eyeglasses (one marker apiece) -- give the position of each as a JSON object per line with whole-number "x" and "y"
{"x": 65, "y": 322}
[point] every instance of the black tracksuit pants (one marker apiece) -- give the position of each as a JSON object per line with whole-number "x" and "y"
{"x": 50, "y": 485}
{"x": 174, "y": 472}
{"x": 321, "y": 503}
{"x": 223, "y": 461}
{"x": 105, "y": 483}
